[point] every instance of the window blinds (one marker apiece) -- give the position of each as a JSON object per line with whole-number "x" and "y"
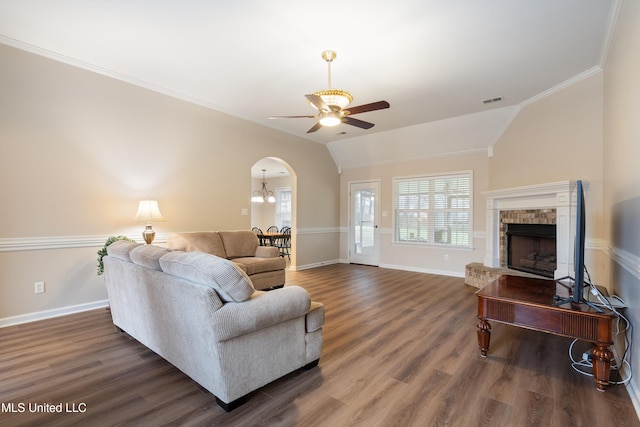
{"x": 433, "y": 209}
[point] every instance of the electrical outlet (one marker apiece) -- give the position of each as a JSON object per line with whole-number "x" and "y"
{"x": 39, "y": 288}
{"x": 587, "y": 356}
{"x": 446, "y": 257}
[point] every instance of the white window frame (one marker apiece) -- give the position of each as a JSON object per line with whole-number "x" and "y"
{"x": 278, "y": 217}
{"x": 432, "y": 211}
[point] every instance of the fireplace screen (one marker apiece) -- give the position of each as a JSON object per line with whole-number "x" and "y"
{"x": 532, "y": 248}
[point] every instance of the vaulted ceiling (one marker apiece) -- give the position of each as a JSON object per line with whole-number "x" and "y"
{"x": 434, "y": 61}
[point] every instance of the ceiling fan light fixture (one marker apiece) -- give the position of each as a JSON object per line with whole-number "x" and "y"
{"x": 331, "y": 104}
{"x": 335, "y": 98}
{"x": 329, "y": 119}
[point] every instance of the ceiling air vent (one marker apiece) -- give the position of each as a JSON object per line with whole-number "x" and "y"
{"x": 490, "y": 100}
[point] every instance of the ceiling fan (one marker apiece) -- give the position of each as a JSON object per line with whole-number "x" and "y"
{"x": 332, "y": 105}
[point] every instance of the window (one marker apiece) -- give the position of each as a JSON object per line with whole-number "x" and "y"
{"x": 433, "y": 210}
{"x": 283, "y": 207}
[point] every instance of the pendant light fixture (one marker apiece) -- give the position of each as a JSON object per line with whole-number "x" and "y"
{"x": 263, "y": 194}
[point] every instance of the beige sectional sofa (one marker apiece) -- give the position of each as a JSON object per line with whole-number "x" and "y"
{"x": 202, "y": 314}
{"x": 261, "y": 263}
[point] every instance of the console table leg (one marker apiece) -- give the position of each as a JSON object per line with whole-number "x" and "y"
{"x": 484, "y": 336}
{"x": 602, "y": 357}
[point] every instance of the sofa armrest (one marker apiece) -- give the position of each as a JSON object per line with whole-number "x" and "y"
{"x": 267, "y": 252}
{"x": 264, "y": 309}
{"x": 315, "y": 317}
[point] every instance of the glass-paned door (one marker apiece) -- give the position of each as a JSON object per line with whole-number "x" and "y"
{"x": 363, "y": 226}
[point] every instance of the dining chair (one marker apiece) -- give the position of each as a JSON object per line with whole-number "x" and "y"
{"x": 272, "y": 229}
{"x": 284, "y": 243}
{"x": 260, "y": 235}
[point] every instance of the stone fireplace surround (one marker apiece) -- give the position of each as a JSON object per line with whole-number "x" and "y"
{"x": 552, "y": 203}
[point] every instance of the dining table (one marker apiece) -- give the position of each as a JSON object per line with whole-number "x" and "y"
{"x": 270, "y": 236}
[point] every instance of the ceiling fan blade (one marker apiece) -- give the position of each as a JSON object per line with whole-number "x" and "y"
{"x": 380, "y": 105}
{"x": 318, "y": 102}
{"x": 315, "y": 127}
{"x": 357, "y": 123}
{"x": 292, "y": 117}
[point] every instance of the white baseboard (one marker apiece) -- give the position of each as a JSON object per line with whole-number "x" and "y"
{"x": 48, "y": 314}
{"x": 389, "y": 266}
{"x": 625, "y": 372}
{"x": 424, "y": 270}
{"x": 634, "y": 394}
{"x": 314, "y": 265}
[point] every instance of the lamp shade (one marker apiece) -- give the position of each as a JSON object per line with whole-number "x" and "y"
{"x": 148, "y": 212}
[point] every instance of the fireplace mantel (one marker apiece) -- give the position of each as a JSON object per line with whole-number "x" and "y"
{"x": 556, "y": 195}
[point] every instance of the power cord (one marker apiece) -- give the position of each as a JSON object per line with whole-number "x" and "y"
{"x": 581, "y": 366}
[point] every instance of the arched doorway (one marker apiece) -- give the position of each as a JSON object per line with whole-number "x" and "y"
{"x": 280, "y": 180}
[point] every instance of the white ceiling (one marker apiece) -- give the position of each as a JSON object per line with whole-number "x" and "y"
{"x": 272, "y": 169}
{"x": 434, "y": 61}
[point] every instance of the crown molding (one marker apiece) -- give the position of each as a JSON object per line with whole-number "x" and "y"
{"x": 611, "y": 26}
{"x": 565, "y": 84}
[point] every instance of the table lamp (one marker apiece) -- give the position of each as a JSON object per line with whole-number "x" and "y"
{"x": 148, "y": 212}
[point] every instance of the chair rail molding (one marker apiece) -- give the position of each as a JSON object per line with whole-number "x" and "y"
{"x": 317, "y": 230}
{"x": 626, "y": 260}
{"x": 14, "y": 244}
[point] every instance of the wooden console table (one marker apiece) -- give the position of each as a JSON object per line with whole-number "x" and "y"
{"x": 528, "y": 303}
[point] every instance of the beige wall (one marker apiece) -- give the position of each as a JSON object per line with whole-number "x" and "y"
{"x": 77, "y": 152}
{"x": 411, "y": 257}
{"x": 559, "y": 138}
{"x": 621, "y": 167}
{"x": 554, "y": 139}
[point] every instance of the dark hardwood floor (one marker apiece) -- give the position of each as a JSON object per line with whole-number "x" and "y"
{"x": 400, "y": 349}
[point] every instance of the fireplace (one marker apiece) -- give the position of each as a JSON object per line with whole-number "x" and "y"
{"x": 549, "y": 204}
{"x": 532, "y": 248}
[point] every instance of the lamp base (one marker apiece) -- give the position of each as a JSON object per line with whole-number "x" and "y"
{"x": 148, "y": 234}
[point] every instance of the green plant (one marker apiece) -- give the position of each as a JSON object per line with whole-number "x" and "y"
{"x": 103, "y": 252}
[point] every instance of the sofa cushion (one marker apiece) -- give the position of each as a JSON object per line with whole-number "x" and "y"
{"x": 267, "y": 252}
{"x": 148, "y": 256}
{"x": 268, "y": 279}
{"x": 201, "y": 241}
{"x": 253, "y": 265}
{"x": 239, "y": 243}
{"x": 121, "y": 249}
{"x": 229, "y": 281}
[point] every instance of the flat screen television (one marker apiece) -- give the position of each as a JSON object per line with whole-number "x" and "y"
{"x": 577, "y": 295}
